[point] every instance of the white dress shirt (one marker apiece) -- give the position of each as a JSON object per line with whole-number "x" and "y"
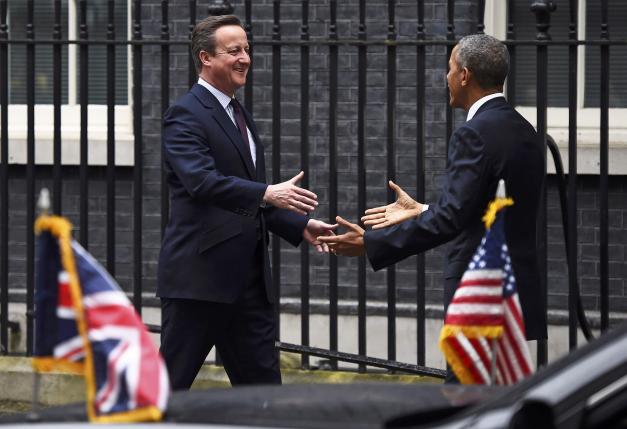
{"x": 225, "y": 102}
{"x": 480, "y": 102}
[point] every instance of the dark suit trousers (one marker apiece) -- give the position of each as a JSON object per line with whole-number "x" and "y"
{"x": 243, "y": 333}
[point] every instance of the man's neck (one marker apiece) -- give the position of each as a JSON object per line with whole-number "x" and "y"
{"x": 210, "y": 82}
{"x": 472, "y": 111}
{"x": 478, "y": 94}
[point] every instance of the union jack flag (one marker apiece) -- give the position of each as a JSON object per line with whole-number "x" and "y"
{"x": 485, "y": 313}
{"x": 85, "y": 323}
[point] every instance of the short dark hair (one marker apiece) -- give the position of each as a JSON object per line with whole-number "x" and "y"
{"x": 486, "y": 57}
{"x": 204, "y": 35}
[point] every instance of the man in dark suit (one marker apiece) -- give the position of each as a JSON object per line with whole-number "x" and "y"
{"x": 496, "y": 142}
{"x": 214, "y": 277}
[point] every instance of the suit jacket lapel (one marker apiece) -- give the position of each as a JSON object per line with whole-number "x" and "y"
{"x": 230, "y": 129}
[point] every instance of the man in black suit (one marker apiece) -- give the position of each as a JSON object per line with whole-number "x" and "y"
{"x": 214, "y": 277}
{"x": 495, "y": 142}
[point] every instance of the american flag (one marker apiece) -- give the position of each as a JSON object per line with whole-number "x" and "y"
{"x": 485, "y": 314}
{"x": 85, "y": 322}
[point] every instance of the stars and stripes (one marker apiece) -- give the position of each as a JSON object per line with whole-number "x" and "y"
{"x": 85, "y": 322}
{"x": 485, "y": 315}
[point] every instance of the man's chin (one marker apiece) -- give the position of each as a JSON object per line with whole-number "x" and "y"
{"x": 240, "y": 81}
{"x": 453, "y": 103}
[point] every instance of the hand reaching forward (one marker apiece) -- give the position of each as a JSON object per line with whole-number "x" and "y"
{"x": 402, "y": 209}
{"x": 316, "y": 228}
{"x": 351, "y": 243}
{"x": 287, "y": 195}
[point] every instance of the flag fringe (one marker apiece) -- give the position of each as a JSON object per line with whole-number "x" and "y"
{"x": 147, "y": 414}
{"x": 490, "y": 214}
{"x": 50, "y": 364}
{"x": 471, "y": 331}
{"x": 456, "y": 363}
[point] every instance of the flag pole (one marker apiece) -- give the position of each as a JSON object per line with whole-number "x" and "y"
{"x": 43, "y": 205}
{"x": 500, "y": 190}
{"x": 500, "y": 193}
{"x": 493, "y": 366}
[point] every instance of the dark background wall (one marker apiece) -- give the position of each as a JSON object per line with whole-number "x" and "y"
{"x": 405, "y": 130}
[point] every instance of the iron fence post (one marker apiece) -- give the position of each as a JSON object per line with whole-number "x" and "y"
{"x": 391, "y": 168}
{"x": 138, "y": 159}
{"x": 110, "y": 174}
{"x": 542, "y": 10}
{"x": 30, "y": 175}
{"x": 304, "y": 161}
{"x": 420, "y": 181}
{"x": 4, "y": 180}
{"x": 572, "y": 179}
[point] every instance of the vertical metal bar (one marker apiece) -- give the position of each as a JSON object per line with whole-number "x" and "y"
{"x": 139, "y": 164}
{"x": 30, "y": 174}
{"x": 572, "y": 179}
{"x": 450, "y": 36}
{"x": 511, "y": 35}
{"x": 4, "y": 180}
{"x": 56, "y": 101}
{"x": 165, "y": 102}
{"x": 603, "y": 173}
{"x": 304, "y": 160}
{"x": 391, "y": 167}
{"x": 543, "y": 21}
{"x": 248, "y": 26}
{"x": 111, "y": 138}
{"x": 84, "y": 98}
{"x": 193, "y": 74}
{"x": 420, "y": 181}
{"x": 362, "y": 70}
{"x": 276, "y": 153}
{"x": 480, "y": 16}
{"x": 333, "y": 273}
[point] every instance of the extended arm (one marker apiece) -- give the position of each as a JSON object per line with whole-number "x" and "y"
{"x": 464, "y": 197}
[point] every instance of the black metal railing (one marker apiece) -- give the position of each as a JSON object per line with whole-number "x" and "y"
{"x": 277, "y": 43}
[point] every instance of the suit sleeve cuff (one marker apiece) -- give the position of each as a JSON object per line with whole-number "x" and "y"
{"x": 251, "y": 203}
{"x": 371, "y": 246}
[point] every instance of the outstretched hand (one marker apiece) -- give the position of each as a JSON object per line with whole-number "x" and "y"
{"x": 316, "y": 228}
{"x": 288, "y": 195}
{"x": 402, "y": 209}
{"x": 351, "y": 243}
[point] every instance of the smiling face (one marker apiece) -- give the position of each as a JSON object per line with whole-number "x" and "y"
{"x": 227, "y": 68}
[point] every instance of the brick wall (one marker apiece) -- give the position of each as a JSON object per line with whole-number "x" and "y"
{"x": 405, "y": 130}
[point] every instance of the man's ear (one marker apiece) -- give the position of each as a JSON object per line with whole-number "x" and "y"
{"x": 466, "y": 75}
{"x": 205, "y": 58}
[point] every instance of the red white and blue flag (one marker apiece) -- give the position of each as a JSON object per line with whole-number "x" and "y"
{"x": 85, "y": 323}
{"x": 485, "y": 313}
